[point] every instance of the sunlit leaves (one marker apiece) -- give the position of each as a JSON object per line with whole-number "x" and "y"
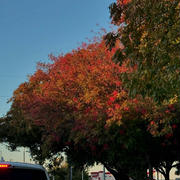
{"x": 149, "y": 31}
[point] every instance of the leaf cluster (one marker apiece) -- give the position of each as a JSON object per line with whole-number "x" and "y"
{"x": 149, "y": 31}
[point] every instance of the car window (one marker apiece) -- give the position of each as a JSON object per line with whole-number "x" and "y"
{"x": 22, "y": 174}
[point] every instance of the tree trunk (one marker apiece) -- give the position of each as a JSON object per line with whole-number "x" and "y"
{"x": 165, "y": 168}
{"x": 166, "y": 176}
{"x": 118, "y": 175}
{"x": 168, "y": 169}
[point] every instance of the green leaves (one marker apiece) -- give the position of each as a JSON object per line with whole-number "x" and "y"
{"x": 115, "y": 12}
{"x": 150, "y": 35}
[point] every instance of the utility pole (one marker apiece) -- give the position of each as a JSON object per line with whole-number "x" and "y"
{"x": 82, "y": 175}
{"x": 1, "y": 157}
{"x": 0, "y": 153}
{"x": 70, "y": 177}
{"x": 24, "y": 155}
{"x": 104, "y": 173}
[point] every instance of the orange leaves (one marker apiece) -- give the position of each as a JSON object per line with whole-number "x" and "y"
{"x": 82, "y": 87}
{"x": 122, "y": 109}
{"x": 112, "y": 97}
{"x": 117, "y": 106}
{"x": 118, "y": 17}
{"x": 164, "y": 120}
{"x": 115, "y": 93}
{"x": 118, "y": 83}
{"x": 123, "y": 2}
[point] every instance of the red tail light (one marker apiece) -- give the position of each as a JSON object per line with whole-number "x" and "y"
{"x": 4, "y": 165}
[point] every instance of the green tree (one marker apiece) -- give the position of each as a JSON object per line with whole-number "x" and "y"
{"x": 150, "y": 37}
{"x": 148, "y": 33}
{"x": 60, "y": 170}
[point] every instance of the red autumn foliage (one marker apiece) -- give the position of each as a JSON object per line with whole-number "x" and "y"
{"x": 123, "y": 2}
{"x": 80, "y": 87}
{"x": 174, "y": 126}
{"x": 78, "y": 91}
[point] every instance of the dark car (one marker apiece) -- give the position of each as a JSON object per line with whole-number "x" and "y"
{"x": 22, "y": 171}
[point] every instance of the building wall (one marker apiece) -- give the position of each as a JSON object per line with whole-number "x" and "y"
{"x": 99, "y": 176}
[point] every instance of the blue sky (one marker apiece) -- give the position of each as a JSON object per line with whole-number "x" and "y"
{"x": 32, "y": 29}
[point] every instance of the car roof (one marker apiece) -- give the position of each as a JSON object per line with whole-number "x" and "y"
{"x": 23, "y": 165}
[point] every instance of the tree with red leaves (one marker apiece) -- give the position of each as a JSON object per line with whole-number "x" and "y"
{"x": 78, "y": 104}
